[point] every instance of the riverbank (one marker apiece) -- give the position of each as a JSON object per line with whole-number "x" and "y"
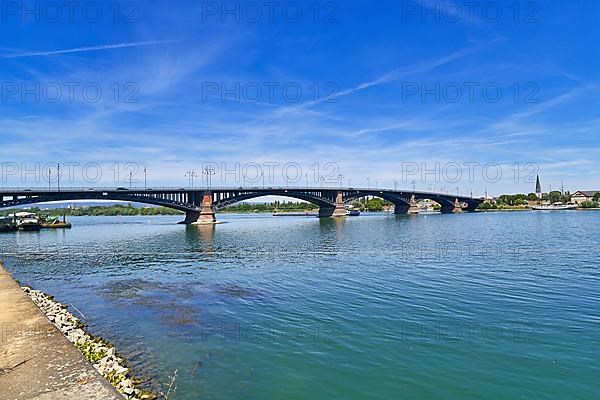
{"x": 101, "y": 354}
{"x": 36, "y": 359}
{"x": 516, "y": 209}
{"x": 45, "y": 349}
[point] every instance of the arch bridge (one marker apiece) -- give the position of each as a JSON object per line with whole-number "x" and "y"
{"x": 201, "y": 205}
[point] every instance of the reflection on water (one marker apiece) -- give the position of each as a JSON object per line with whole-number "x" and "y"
{"x": 442, "y": 306}
{"x": 201, "y": 238}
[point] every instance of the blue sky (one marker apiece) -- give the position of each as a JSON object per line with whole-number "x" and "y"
{"x": 388, "y": 91}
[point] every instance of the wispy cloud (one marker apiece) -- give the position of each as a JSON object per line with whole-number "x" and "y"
{"x": 86, "y": 49}
{"x": 414, "y": 69}
{"x": 397, "y": 74}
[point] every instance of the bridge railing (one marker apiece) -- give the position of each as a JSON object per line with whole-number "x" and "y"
{"x": 137, "y": 189}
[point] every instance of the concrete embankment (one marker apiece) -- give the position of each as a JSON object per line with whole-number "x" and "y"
{"x": 36, "y": 360}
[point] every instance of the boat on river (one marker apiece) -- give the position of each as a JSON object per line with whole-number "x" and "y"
{"x": 555, "y": 207}
{"x": 27, "y": 221}
{"x": 55, "y": 223}
{"x": 352, "y": 212}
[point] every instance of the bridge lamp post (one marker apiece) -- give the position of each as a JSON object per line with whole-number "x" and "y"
{"x": 341, "y": 180}
{"x": 191, "y": 175}
{"x": 209, "y": 171}
{"x": 306, "y": 176}
{"x": 130, "y": 178}
{"x": 368, "y": 183}
{"x": 49, "y": 179}
{"x": 145, "y": 178}
{"x": 58, "y": 176}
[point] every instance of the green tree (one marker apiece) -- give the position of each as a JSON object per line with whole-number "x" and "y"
{"x": 555, "y": 196}
{"x": 485, "y": 205}
{"x": 375, "y": 204}
{"x": 590, "y": 204}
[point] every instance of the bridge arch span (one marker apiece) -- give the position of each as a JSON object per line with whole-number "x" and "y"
{"x": 48, "y": 198}
{"x": 401, "y": 203}
{"x": 315, "y": 199}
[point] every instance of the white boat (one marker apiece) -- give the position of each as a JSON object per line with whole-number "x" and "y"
{"x": 27, "y": 221}
{"x": 429, "y": 212}
{"x": 426, "y": 207}
{"x": 351, "y": 212}
{"x": 555, "y": 207}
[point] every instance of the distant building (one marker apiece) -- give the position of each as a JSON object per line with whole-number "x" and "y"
{"x": 538, "y": 188}
{"x": 581, "y": 196}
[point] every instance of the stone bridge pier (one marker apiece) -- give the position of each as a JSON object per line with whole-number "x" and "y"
{"x": 339, "y": 210}
{"x": 205, "y": 216}
{"x": 451, "y": 207}
{"x": 412, "y": 207}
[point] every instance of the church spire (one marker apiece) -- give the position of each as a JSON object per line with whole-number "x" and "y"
{"x": 538, "y": 187}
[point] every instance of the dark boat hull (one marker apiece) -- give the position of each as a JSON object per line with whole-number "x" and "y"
{"x": 30, "y": 227}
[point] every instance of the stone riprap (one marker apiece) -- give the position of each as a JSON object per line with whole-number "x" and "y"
{"x": 100, "y": 353}
{"x": 37, "y": 362}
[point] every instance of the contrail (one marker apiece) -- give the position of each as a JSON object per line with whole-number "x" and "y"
{"x": 84, "y": 49}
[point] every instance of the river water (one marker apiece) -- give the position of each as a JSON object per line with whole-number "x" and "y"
{"x": 471, "y": 306}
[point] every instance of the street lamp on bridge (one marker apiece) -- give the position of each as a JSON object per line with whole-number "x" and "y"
{"x": 209, "y": 172}
{"x": 191, "y": 175}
